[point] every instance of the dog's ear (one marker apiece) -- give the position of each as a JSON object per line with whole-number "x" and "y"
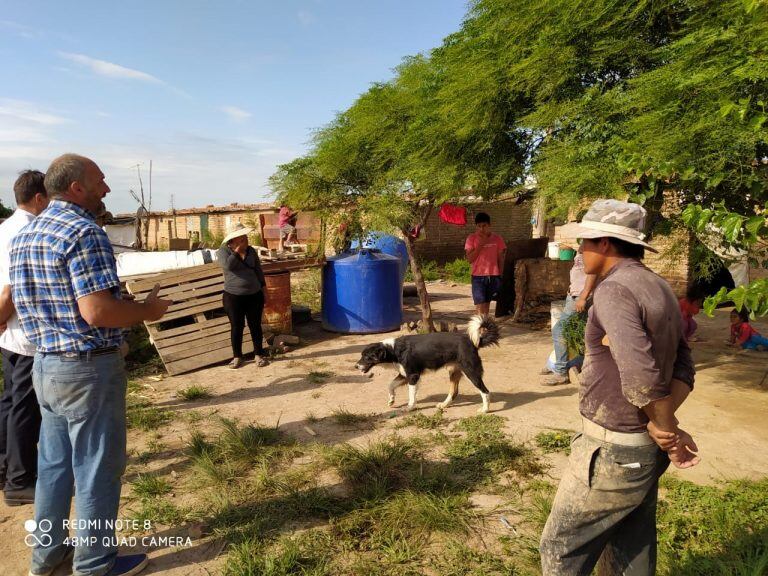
{"x": 381, "y": 353}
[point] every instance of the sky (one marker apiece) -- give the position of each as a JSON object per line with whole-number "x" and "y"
{"x": 216, "y": 94}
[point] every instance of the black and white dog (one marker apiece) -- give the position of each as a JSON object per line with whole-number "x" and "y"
{"x": 419, "y": 352}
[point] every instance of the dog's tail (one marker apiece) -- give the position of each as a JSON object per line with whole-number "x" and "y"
{"x": 483, "y": 331}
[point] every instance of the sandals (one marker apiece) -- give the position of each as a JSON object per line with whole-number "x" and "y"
{"x": 261, "y": 362}
{"x": 235, "y": 364}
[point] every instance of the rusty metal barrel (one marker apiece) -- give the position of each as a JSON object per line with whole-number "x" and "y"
{"x": 277, "y": 304}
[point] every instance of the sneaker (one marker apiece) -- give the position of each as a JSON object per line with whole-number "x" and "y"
{"x": 20, "y": 497}
{"x": 555, "y": 380}
{"x": 129, "y": 565}
{"x": 261, "y": 361}
{"x": 236, "y": 363}
{"x": 67, "y": 560}
{"x": 545, "y": 371}
{"x": 574, "y": 375}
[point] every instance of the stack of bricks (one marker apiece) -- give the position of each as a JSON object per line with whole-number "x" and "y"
{"x": 444, "y": 242}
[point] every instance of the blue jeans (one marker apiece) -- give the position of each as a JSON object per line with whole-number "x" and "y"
{"x": 755, "y": 341}
{"x": 82, "y": 444}
{"x": 561, "y": 347}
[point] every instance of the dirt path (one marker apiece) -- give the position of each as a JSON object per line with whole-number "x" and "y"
{"x": 726, "y": 414}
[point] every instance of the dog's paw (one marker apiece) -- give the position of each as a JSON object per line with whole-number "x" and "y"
{"x": 483, "y": 410}
{"x": 442, "y": 405}
{"x": 391, "y": 401}
{"x": 410, "y": 407}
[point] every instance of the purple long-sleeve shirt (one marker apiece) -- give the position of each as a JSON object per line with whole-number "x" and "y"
{"x": 638, "y": 312}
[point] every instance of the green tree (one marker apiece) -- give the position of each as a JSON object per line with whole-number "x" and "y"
{"x": 5, "y": 211}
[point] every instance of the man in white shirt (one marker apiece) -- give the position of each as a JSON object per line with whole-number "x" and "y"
{"x": 19, "y": 411}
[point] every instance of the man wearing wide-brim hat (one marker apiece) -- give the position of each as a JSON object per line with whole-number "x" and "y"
{"x": 637, "y": 371}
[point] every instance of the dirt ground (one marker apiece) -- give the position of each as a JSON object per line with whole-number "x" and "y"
{"x": 726, "y": 414}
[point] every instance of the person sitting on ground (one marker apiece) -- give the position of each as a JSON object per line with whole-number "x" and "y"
{"x": 286, "y": 222}
{"x": 690, "y": 305}
{"x": 485, "y": 251}
{"x": 243, "y": 297}
{"x": 743, "y": 335}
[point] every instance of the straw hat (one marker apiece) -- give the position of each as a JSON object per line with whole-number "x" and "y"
{"x": 614, "y": 219}
{"x": 238, "y": 230}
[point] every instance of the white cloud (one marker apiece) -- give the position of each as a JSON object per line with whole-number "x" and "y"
{"x": 109, "y": 69}
{"x": 306, "y": 18}
{"x": 28, "y": 113}
{"x": 236, "y": 114}
{"x": 21, "y": 30}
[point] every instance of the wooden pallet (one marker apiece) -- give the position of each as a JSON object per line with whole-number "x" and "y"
{"x": 194, "y": 332}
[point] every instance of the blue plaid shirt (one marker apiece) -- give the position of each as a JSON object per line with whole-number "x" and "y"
{"x": 60, "y": 256}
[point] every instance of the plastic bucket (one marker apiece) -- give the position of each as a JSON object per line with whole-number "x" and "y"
{"x": 567, "y": 253}
{"x": 553, "y": 251}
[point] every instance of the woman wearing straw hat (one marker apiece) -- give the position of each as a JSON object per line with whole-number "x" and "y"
{"x": 243, "y": 292}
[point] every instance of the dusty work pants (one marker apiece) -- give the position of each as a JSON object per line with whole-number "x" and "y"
{"x": 605, "y": 504}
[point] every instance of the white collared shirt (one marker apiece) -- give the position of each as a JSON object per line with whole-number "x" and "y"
{"x": 13, "y": 338}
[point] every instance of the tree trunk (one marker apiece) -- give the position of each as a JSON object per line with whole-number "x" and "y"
{"x": 421, "y": 287}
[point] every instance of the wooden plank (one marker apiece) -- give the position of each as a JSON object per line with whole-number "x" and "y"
{"x": 193, "y": 302}
{"x": 181, "y": 351}
{"x": 215, "y": 305}
{"x": 175, "y": 277}
{"x": 172, "y": 344}
{"x": 203, "y": 360}
{"x": 195, "y": 327}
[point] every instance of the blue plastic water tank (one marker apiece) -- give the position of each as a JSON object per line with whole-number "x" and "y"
{"x": 387, "y": 244}
{"x": 362, "y": 293}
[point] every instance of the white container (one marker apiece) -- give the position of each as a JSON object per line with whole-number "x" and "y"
{"x": 553, "y": 251}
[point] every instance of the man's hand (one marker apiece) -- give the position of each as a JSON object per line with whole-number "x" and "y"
{"x": 685, "y": 453}
{"x": 581, "y": 305}
{"x": 665, "y": 440}
{"x": 156, "y": 306}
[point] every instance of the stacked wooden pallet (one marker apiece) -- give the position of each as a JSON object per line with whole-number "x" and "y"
{"x": 194, "y": 333}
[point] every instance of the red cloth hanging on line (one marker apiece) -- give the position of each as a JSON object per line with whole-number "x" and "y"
{"x": 452, "y": 214}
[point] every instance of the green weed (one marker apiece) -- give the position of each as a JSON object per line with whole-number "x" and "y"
{"x": 194, "y": 392}
{"x": 555, "y": 440}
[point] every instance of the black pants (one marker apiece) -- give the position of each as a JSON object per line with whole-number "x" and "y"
{"x": 242, "y": 308}
{"x": 19, "y": 422}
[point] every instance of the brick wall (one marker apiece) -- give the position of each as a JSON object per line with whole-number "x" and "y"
{"x": 443, "y": 242}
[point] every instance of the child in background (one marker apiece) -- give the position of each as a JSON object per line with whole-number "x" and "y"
{"x": 689, "y": 307}
{"x": 743, "y": 335}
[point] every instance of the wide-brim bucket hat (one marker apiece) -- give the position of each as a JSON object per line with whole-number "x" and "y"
{"x": 614, "y": 219}
{"x": 238, "y": 230}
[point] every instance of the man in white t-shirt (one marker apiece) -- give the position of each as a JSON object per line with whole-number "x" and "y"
{"x": 19, "y": 411}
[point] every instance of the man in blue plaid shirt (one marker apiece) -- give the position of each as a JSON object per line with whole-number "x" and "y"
{"x": 67, "y": 294}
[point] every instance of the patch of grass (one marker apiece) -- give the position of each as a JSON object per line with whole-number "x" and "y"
{"x": 459, "y": 271}
{"x": 555, "y": 440}
{"x": 422, "y": 421}
{"x": 150, "y": 486}
{"x": 311, "y": 418}
{"x": 458, "y": 559}
{"x": 400, "y": 526}
{"x": 316, "y": 394}
{"x": 318, "y": 377}
{"x": 378, "y": 468}
{"x": 236, "y": 451}
{"x": 306, "y": 287}
{"x": 485, "y": 452}
{"x": 144, "y": 416}
{"x": 158, "y": 511}
{"x": 719, "y": 529}
{"x": 344, "y": 417}
{"x": 194, "y": 392}
{"x": 154, "y": 446}
{"x": 305, "y": 555}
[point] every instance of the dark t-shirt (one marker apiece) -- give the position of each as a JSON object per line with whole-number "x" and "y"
{"x": 638, "y": 312}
